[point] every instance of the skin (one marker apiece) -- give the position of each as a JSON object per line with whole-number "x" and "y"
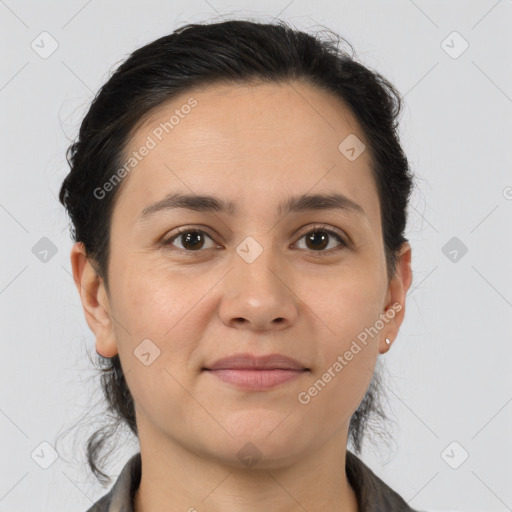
{"x": 254, "y": 145}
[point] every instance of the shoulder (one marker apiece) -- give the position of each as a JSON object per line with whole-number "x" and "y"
{"x": 102, "y": 505}
{"x": 120, "y": 497}
{"x": 373, "y": 494}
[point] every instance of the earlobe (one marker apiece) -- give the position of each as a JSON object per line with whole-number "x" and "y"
{"x": 95, "y": 301}
{"x": 385, "y": 346}
{"x": 106, "y": 347}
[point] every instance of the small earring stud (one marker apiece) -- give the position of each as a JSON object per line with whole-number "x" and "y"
{"x": 388, "y": 342}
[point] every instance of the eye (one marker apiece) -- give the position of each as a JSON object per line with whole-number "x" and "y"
{"x": 318, "y": 238}
{"x": 191, "y": 239}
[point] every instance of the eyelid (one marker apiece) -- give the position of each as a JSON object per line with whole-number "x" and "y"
{"x": 175, "y": 233}
{"x": 343, "y": 238}
{"x": 325, "y": 227}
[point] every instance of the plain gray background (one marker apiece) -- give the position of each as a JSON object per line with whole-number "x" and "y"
{"x": 448, "y": 374}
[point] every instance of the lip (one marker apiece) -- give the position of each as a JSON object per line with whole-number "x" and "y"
{"x": 256, "y": 380}
{"x": 251, "y": 362}
{"x": 256, "y": 373}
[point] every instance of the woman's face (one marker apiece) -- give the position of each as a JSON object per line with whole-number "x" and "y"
{"x": 257, "y": 279}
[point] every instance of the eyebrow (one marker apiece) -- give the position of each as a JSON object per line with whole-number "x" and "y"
{"x": 207, "y": 203}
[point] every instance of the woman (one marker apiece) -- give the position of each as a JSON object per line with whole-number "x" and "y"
{"x": 238, "y": 195}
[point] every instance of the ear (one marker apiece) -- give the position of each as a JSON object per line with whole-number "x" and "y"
{"x": 94, "y": 301}
{"x": 395, "y": 298}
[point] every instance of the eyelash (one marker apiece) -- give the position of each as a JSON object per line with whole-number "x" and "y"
{"x": 167, "y": 243}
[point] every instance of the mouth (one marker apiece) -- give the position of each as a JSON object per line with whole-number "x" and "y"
{"x": 252, "y": 362}
{"x": 256, "y": 373}
{"x": 256, "y": 380}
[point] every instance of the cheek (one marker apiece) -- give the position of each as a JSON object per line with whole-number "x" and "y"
{"x": 338, "y": 385}
{"x": 159, "y": 314}
{"x": 348, "y": 315}
{"x": 153, "y": 342}
{"x": 150, "y": 303}
{"x": 347, "y": 305}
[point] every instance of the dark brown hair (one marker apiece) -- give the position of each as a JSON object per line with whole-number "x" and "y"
{"x": 235, "y": 52}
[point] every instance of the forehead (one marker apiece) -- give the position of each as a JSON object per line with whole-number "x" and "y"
{"x": 247, "y": 142}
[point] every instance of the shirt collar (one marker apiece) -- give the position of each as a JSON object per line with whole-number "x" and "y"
{"x": 373, "y": 495}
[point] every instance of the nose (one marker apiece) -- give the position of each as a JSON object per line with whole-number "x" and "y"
{"x": 259, "y": 295}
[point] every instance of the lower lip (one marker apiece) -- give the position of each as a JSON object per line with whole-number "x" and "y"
{"x": 257, "y": 380}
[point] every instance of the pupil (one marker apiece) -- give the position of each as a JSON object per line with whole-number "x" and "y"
{"x": 322, "y": 238}
{"x": 318, "y": 239}
{"x": 191, "y": 235}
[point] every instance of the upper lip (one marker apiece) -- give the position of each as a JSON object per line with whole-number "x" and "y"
{"x": 252, "y": 362}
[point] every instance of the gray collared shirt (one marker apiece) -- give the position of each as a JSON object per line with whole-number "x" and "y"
{"x": 373, "y": 495}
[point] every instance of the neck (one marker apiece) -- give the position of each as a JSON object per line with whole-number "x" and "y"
{"x": 176, "y": 479}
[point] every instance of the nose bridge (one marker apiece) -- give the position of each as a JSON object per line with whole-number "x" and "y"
{"x": 257, "y": 289}
{"x": 257, "y": 265}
